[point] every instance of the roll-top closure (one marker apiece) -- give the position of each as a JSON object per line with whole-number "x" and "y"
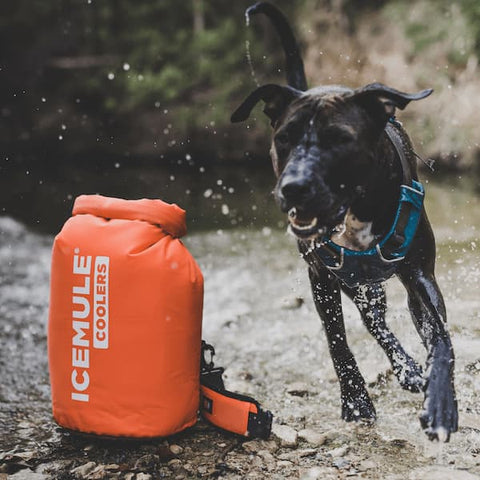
{"x": 169, "y": 217}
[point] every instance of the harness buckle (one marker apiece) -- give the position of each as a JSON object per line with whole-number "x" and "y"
{"x": 206, "y": 364}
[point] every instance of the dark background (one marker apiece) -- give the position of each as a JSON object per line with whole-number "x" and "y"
{"x": 133, "y": 97}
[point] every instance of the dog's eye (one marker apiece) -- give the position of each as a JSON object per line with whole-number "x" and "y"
{"x": 282, "y": 140}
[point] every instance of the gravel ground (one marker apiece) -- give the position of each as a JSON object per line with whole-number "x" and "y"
{"x": 272, "y": 345}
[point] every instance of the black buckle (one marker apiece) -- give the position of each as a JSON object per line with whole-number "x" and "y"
{"x": 260, "y": 423}
{"x": 211, "y": 376}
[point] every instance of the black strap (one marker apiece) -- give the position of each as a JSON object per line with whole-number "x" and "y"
{"x": 402, "y": 147}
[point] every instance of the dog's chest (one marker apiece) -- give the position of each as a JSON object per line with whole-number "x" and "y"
{"x": 354, "y": 234}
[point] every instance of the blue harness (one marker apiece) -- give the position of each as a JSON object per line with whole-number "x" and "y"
{"x": 378, "y": 263}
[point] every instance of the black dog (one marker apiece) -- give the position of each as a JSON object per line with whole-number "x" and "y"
{"x": 347, "y": 179}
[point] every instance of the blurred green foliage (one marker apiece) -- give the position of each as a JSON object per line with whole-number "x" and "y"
{"x": 103, "y": 69}
{"x": 101, "y": 64}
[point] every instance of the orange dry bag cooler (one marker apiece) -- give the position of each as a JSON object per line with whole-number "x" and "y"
{"x": 124, "y": 333}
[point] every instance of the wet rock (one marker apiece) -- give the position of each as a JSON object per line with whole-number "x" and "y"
{"x": 176, "y": 449}
{"x": 27, "y": 474}
{"x": 287, "y": 435}
{"x": 83, "y": 470}
{"x": 338, "y": 452}
{"x": 312, "y": 437}
{"x": 143, "y": 476}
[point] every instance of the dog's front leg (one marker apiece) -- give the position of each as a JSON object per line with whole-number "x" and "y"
{"x": 372, "y": 305}
{"x": 356, "y": 403}
{"x": 439, "y": 417}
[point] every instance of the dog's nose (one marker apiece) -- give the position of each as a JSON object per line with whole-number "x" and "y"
{"x": 294, "y": 192}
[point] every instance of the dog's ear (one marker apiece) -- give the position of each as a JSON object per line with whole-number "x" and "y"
{"x": 384, "y": 99}
{"x": 276, "y": 98}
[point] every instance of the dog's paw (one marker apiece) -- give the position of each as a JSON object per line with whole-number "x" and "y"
{"x": 439, "y": 417}
{"x": 410, "y": 375}
{"x": 358, "y": 407}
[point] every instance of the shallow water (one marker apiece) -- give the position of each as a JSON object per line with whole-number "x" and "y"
{"x": 260, "y": 317}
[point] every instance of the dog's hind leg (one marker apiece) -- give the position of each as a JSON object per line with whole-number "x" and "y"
{"x": 371, "y": 302}
{"x": 356, "y": 403}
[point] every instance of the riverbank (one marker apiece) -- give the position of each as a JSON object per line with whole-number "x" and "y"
{"x": 271, "y": 342}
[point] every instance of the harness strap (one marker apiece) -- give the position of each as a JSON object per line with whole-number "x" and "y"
{"x": 230, "y": 411}
{"x": 401, "y": 146}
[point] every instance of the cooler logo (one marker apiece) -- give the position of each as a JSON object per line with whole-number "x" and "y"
{"x": 82, "y": 317}
{"x": 100, "y": 303}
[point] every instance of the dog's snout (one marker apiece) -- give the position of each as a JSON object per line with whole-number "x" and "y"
{"x": 294, "y": 192}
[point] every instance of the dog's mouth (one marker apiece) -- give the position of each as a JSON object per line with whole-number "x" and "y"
{"x": 307, "y": 227}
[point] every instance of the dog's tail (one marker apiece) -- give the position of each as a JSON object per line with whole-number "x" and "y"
{"x": 293, "y": 61}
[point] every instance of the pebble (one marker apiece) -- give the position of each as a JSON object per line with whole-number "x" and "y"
{"x": 143, "y": 476}
{"x": 312, "y": 437}
{"x": 287, "y": 435}
{"x": 338, "y": 452}
{"x": 84, "y": 470}
{"x": 176, "y": 449}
